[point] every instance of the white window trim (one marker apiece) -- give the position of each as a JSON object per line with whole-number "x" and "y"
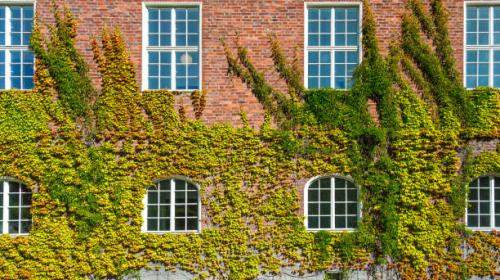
{"x": 7, "y": 48}
{"x": 490, "y": 47}
{"x": 5, "y": 206}
{"x": 332, "y": 211}
{"x": 492, "y": 207}
{"x": 144, "y": 226}
{"x": 146, "y": 48}
{"x": 307, "y": 48}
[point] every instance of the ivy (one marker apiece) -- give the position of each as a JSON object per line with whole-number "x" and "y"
{"x": 89, "y": 177}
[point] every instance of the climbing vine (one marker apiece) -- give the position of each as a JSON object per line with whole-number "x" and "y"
{"x": 89, "y": 155}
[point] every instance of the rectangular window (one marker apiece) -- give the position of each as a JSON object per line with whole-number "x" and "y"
{"x": 16, "y": 60}
{"x": 482, "y": 46}
{"x": 15, "y": 208}
{"x": 483, "y": 204}
{"x": 332, "y": 46}
{"x": 172, "y": 48}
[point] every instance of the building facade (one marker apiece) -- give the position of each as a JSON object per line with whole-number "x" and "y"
{"x": 176, "y": 45}
{"x": 147, "y": 27}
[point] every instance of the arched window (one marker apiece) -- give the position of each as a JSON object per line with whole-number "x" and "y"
{"x": 172, "y": 205}
{"x": 15, "y": 204}
{"x": 331, "y": 203}
{"x": 483, "y": 209}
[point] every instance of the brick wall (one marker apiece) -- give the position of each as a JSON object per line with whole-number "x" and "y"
{"x": 253, "y": 20}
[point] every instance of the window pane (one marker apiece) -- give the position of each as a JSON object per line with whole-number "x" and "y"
{"x": 187, "y": 74}
{"x": 313, "y": 222}
{"x": 2, "y": 69}
{"x": 484, "y": 221}
{"x": 345, "y": 63}
{"x": 340, "y": 209}
{"x": 192, "y": 197}
{"x": 313, "y": 209}
{"x": 352, "y": 222}
{"x": 159, "y": 70}
{"x": 472, "y": 221}
{"x": 180, "y": 224}
{"x": 192, "y": 224}
{"x": 320, "y": 69}
{"x": 164, "y": 224}
{"x": 152, "y": 225}
{"x": 340, "y": 222}
{"x": 325, "y": 208}
{"x": 152, "y": 211}
{"x": 326, "y": 222}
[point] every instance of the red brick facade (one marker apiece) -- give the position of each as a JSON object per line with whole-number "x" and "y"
{"x": 253, "y": 20}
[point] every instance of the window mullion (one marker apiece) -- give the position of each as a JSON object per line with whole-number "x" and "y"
{"x": 5, "y": 217}
{"x": 8, "y": 40}
{"x": 492, "y": 202}
{"x": 332, "y": 202}
{"x": 172, "y": 205}
{"x": 490, "y": 35}
{"x": 173, "y": 62}
{"x": 332, "y": 52}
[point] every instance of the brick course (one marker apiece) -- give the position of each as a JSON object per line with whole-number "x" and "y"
{"x": 253, "y": 20}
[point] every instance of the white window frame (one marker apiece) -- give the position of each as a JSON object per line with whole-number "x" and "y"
{"x": 144, "y": 227}
{"x": 332, "y": 206}
{"x": 8, "y": 47}
{"x": 331, "y": 48}
{"x": 492, "y": 206}
{"x": 146, "y": 48}
{"x": 490, "y": 47}
{"x": 4, "y": 183}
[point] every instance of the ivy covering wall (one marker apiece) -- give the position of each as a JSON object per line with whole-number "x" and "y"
{"x": 89, "y": 155}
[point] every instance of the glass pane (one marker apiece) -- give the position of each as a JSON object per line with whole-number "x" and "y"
{"x": 192, "y": 197}
{"x": 192, "y": 211}
{"x": 180, "y": 211}
{"x": 352, "y": 222}
{"x": 484, "y": 194}
{"x": 325, "y": 209}
{"x": 472, "y": 221}
{"x": 165, "y": 197}
{"x": 484, "y": 207}
{"x": 340, "y": 209}
{"x": 192, "y": 224}
{"x": 152, "y": 197}
{"x": 340, "y": 222}
{"x": 325, "y": 195}
{"x": 25, "y": 226}
{"x": 473, "y": 208}
{"x": 165, "y": 185}
{"x": 313, "y": 195}
{"x": 152, "y": 211}
{"x": 313, "y": 222}
{"x": 13, "y": 213}
{"x": 313, "y": 209}
{"x": 340, "y": 195}
{"x": 484, "y": 221}
{"x": 152, "y": 224}
{"x": 180, "y": 224}
{"x": 14, "y": 227}
{"x": 164, "y": 224}
{"x": 352, "y": 208}
{"x": 326, "y": 222}
{"x": 180, "y": 197}
{"x": 165, "y": 211}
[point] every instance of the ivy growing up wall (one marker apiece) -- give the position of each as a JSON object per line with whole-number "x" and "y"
{"x": 89, "y": 155}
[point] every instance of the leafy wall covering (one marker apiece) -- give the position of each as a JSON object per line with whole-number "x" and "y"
{"x": 89, "y": 155}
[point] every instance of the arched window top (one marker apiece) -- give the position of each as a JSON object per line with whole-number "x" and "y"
{"x": 331, "y": 203}
{"x": 15, "y": 207}
{"x": 483, "y": 207}
{"x": 172, "y": 205}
